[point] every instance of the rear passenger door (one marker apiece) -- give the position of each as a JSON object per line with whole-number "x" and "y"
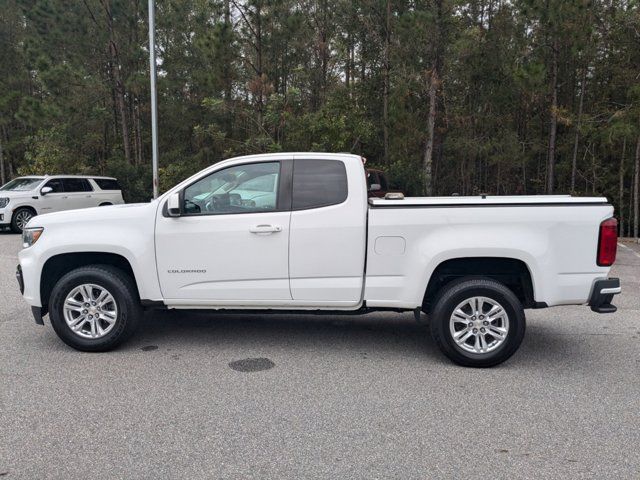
{"x": 79, "y": 193}
{"x": 328, "y": 231}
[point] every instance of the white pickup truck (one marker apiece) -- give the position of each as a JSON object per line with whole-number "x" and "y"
{"x": 296, "y": 232}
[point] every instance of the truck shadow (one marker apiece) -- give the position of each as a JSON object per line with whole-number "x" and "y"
{"x": 383, "y": 335}
{"x": 391, "y": 333}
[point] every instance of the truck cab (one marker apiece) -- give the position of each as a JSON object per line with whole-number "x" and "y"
{"x": 301, "y": 247}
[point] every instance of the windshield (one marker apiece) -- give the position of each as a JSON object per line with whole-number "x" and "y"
{"x": 21, "y": 184}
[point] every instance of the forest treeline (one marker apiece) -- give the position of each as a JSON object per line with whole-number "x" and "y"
{"x": 485, "y": 96}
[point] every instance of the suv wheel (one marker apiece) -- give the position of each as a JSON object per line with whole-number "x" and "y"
{"x": 20, "y": 219}
{"x": 477, "y": 322}
{"x": 94, "y": 308}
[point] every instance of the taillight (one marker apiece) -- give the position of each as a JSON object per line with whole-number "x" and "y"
{"x": 607, "y": 242}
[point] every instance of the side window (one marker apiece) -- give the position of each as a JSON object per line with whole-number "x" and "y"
{"x": 247, "y": 188}
{"x": 55, "y": 184}
{"x": 107, "y": 184}
{"x": 76, "y": 185}
{"x": 318, "y": 183}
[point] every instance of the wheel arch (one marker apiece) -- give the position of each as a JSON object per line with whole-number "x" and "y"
{"x": 13, "y": 219}
{"x": 24, "y": 207}
{"x": 28, "y": 206}
{"x": 512, "y": 272}
{"x": 58, "y": 265}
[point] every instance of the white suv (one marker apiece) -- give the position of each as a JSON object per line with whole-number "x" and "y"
{"x": 25, "y": 197}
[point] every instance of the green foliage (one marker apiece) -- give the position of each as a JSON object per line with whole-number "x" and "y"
{"x": 266, "y": 76}
{"x": 47, "y": 153}
{"x": 338, "y": 126}
{"x": 134, "y": 179}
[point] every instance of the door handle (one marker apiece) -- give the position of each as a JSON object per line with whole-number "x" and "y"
{"x": 258, "y": 229}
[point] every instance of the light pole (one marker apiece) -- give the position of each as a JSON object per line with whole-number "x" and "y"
{"x": 154, "y": 98}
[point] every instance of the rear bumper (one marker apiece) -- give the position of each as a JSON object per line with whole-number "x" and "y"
{"x": 602, "y": 295}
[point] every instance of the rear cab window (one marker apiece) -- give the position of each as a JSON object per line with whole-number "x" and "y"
{"x": 372, "y": 178}
{"x": 318, "y": 183}
{"x": 382, "y": 179}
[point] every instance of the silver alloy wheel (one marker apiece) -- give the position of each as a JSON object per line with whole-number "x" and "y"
{"x": 90, "y": 311}
{"x": 22, "y": 218}
{"x": 479, "y": 325}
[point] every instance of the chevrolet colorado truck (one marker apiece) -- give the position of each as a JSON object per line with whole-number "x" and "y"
{"x": 296, "y": 232}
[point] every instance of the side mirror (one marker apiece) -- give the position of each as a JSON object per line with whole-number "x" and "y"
{"x": 375, "y": 187}
{"x": 45, "y": 190}
{"x": 173, "y": 205}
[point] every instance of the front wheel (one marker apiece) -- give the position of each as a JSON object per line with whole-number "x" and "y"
{"x": 20, "y": 219}
{"x": 94, "y": 308}
{"x": 477, "y": 322}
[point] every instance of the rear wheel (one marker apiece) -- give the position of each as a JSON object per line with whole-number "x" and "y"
{"x": 94, "y": 308}
{"x": 477, "y": 322}
{"x": 20, "y": 219}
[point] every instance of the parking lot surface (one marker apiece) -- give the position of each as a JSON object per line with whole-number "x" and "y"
{"x": 204, "y": 395}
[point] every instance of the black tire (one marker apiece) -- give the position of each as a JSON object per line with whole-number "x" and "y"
{"x": 18, "y": 216}
{"x": 124, "y": 292}
{"x": 457, "y": 292}
{"x": 105, "y": 204}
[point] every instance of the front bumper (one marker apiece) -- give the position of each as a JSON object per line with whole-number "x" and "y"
{"x": 20, "y": 279}
{"x": 36, "y": 311}
{"x": 602, "y": 295}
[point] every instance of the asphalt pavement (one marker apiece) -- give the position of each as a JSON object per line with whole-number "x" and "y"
{"x": 204, "y": 395}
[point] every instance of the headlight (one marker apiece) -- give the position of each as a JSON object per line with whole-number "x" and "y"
{"x": 31, "y": 236}
{"x": 4, "y": 201}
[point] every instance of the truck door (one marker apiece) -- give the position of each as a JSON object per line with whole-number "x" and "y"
{"x": 230, "y": 245}
{"x": 328, "y": 231}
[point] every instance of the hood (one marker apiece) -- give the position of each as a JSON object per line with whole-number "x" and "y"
{"x": 97, "y": 215}
{"x": 17, "y": 193}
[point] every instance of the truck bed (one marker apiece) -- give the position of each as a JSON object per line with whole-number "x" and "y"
{"x": 555, "y": 236}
